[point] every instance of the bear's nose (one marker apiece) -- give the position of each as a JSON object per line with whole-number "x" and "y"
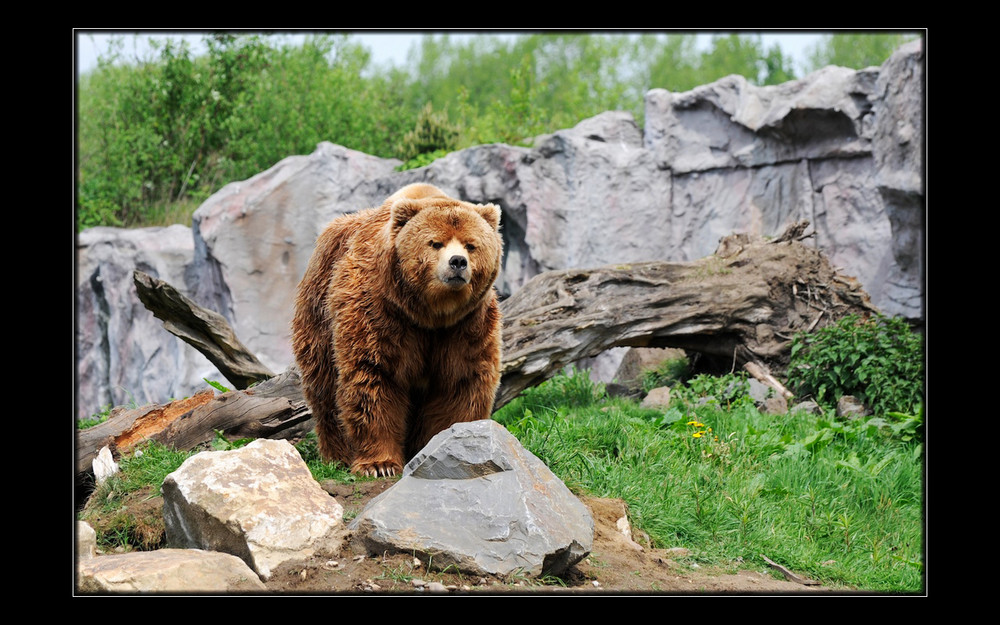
{"x": 458, "y": 262}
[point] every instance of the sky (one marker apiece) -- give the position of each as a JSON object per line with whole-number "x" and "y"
{"x": 386, "y": 47}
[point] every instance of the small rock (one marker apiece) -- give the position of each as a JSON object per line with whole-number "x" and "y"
{"x": 776, "y": 405}
{"x": 437, "y": 587}
{"x": 658, "y": 398}
{"x": 678, "y": 552}
{"x": 417, "y": 583}
{"x": 807, "y": 406}
{"x": 849, "y": 407}
{"x": 86, "y": 541}
{"x": 595, "y": 583}
{"x": 758, "y": 391}
{"x": 104, "y": 465}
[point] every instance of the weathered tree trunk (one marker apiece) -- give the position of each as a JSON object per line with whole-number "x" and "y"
{"x": 743, "y": 303}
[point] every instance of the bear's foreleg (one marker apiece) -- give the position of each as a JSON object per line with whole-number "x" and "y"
{"x": 333, "y": 446}
{"x": 372, "y": 413}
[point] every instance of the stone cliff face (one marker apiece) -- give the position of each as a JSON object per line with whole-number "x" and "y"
{"x": 841, "y": 148}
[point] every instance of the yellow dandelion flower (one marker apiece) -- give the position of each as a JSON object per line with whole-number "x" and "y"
{"x": 697, "y": 434}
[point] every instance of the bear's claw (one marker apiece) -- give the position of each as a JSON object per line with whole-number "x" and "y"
{"x": 376, "y": 469}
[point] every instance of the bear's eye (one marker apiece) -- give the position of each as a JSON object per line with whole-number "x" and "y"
{"x": 470, "y": 247}
{"x": 436, "y": 244}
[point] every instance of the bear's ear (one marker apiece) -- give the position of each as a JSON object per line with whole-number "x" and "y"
{"x": 491, "y": 213}
{"x": 403, "y": 211}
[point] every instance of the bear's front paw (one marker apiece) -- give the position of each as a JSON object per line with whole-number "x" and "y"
{"x": 381, "y": 468}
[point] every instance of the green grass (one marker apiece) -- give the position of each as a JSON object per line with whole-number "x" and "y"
{"x": 839, "y": 502}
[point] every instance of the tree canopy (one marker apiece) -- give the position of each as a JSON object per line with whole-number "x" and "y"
{"x": 173, "y": 128}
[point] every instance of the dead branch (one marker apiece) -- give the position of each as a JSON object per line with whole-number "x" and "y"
{"x": 205, "y": 330}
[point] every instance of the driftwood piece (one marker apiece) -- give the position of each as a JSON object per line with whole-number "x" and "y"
{"x": 743, "y": 303}
{"x": 205, "y": 330}
{"x": 759, "y": 372}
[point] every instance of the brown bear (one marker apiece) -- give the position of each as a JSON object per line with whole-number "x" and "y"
{"x": 397, "y": 326}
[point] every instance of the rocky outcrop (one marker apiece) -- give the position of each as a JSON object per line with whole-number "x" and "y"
{"x": 839, "y": 148}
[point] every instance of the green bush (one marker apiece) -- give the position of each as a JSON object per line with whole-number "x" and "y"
{"x": 879, "y": 360}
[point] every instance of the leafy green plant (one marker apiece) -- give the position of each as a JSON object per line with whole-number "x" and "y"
{"x": 219, "y": 386}
{"x": 726, "y": 390}
{"x": 221, "y": 443}
{"x": 879, "y": 360}
{"x": 422, "y": 160}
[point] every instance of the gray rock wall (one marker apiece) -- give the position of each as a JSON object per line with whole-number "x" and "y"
{"x": 841, "y": 148}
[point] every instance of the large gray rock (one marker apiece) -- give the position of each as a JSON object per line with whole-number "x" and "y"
{"x": 474, "y": 498}
{"x": 253, "y": 239}
{"x": 731, "y": 123}
{"x": 124, "y": 356}
{"x": 166, "y": 571}
{"x": 898, "y": 152}
{"x": 259, "y": 503}
{"x": 841, "y": 148}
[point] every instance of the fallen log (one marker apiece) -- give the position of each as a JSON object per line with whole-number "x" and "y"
{"x": 274, "y": 408}
{"x": 743, "y": 303}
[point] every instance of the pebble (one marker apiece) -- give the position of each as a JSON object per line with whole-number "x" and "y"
{"x": 437, "y": 587}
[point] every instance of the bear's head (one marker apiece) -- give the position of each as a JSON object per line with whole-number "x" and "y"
{"x": 448, "y": 253}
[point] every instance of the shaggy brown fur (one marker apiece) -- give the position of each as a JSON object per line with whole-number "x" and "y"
{"x": 397, "y": 327}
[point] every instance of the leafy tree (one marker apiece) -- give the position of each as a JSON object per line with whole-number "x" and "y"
{"x": 744, "y": 55}
{"x": 173, "y": 128}
{"x": 432, "y": 133}
{"x": 671, "y": 62}
{"x": 856, "y": 50}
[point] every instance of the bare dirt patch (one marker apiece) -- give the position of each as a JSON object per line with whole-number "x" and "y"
{"x": 616, "y": 565}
